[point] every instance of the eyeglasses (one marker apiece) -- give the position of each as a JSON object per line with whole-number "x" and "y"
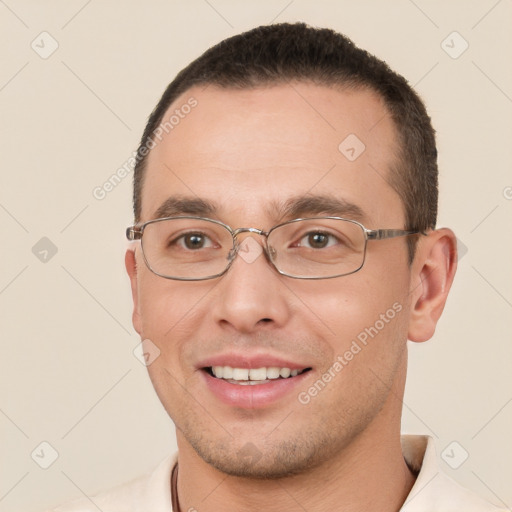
{"x": 196, "y": 248}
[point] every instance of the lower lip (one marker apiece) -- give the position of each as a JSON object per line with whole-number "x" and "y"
{"x": 250, "y": 396}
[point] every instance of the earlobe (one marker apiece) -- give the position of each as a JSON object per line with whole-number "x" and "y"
{"x": 131, "y": 268}
{"x": 434, "y": 268}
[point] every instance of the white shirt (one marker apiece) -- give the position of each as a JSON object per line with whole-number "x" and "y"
{"x": 433, "y": 491}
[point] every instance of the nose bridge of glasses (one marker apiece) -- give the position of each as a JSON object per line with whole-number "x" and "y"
{"x": 239, "y": 243}
{"x": 237, "y": 231}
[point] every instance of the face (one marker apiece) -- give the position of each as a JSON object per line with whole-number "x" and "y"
{"x": 248, "y": 154}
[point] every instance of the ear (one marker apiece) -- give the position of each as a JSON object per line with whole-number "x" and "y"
{"x": 433, "y": 270}
{"x": 130, "y": 262}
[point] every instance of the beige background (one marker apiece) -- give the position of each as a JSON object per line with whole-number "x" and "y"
{"x": 69, "y": 121}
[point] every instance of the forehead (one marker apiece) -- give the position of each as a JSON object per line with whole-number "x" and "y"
{"x": 247, "y": 149}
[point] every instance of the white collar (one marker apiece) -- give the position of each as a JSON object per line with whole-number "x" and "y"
{"x": 434, "y": 491}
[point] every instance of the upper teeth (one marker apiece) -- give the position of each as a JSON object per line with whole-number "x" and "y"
{"x": 273, "y": 372}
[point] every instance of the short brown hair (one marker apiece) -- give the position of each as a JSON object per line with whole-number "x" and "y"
{"x": 275, "y": 54}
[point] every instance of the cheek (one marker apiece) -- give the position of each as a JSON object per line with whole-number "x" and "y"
{"x": 156, "y": 307}
{"x": 163, "y": 304}
{"x": 168, "y": 315}
{"x": 364, "y": 315}
{"x": 172, "y": 313}
{"x": 353, "y": 300}
{"x": 368, "y": 334}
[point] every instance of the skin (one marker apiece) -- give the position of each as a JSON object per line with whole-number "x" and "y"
{"x": 243, "y": 150}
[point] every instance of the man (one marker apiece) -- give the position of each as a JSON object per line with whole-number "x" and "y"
{"x": 285, "y": 250}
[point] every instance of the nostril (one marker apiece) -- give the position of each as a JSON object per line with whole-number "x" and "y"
{"x": 266, "y": 320}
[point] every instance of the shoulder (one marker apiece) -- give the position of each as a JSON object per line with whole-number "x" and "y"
{"x": 460, "y": 496}
{"x": 443, "y": 494}
{"x": 148, "y": 492}
{"x": 434, "y": 490}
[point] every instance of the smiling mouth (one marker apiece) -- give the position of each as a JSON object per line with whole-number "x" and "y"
{"x": 252, "y": 376}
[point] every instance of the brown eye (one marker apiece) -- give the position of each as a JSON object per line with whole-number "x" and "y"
{"x": 194, "y": 241}
{"x": 191, "y": 241}
{"x": 318, "y": 240}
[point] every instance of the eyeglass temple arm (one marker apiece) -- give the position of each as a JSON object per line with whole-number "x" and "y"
{"x": 381, "y": 234}
{"x": 133, "y": 233}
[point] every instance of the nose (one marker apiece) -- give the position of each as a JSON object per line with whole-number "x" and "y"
{"x": 251, "y": 296}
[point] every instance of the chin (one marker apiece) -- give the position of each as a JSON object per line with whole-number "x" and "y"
{"x": 265, "y": 460}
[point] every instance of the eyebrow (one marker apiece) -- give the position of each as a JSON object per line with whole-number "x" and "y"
{"x": 307, "y": 205}
{"x": 293, "y": 208}
{"x": 182, "y": 205}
